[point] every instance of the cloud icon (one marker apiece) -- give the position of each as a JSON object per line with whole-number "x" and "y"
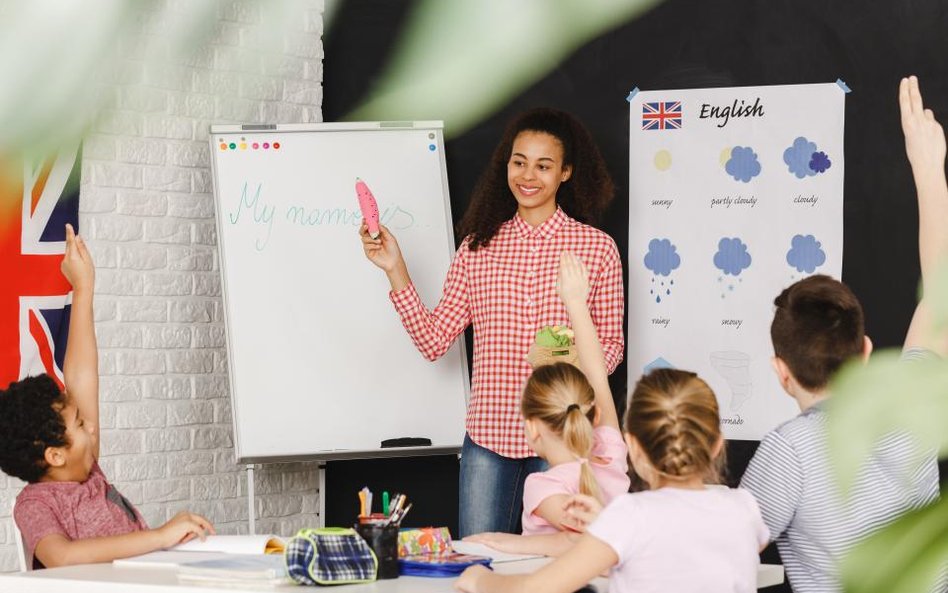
{"x": 732, "y": 256}
{"x": 803, "y": 159}
{"x": 819, "y": 162}
{"x": 806, "y": 253}
{"x": 798, "y": 156}
{"x": 662, "y": 257}
{"x": 743, "y": 164}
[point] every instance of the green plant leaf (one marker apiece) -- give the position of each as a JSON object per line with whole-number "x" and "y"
{"x": 905, "y": 557}
{"x": 466, "y": 60}
{"x": 887, "y": 394}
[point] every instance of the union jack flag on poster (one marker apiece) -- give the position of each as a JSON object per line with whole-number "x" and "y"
{"x": 664, "y": 115}
{"x": 37, "y": 199}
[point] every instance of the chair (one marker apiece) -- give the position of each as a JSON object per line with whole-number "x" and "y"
{"x": 21, "y": 550}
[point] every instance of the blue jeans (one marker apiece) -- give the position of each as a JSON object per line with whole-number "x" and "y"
{"x": 491, "y": 489}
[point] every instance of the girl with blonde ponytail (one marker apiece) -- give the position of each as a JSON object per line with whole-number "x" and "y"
{"x": 570, "y": 421}
{"x": 681, "y": 534}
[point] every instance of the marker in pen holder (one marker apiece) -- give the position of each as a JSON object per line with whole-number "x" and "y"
{"x": 382, "y": 537}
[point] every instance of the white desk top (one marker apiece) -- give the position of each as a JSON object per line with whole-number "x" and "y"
{"x": 107, "y": 578}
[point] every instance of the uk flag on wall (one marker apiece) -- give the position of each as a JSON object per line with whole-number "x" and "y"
{"x": 37, "y": 199}
{"x": 664, "y": 115}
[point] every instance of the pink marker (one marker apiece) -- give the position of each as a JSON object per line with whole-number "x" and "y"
{"x": 370, "y": 208}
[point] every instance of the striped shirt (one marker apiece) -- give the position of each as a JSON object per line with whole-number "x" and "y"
{"x": 507, "y": 291}
{"x": 812, "y": 523}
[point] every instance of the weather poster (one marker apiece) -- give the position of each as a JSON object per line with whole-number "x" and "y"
{"x": 734, "y": 194}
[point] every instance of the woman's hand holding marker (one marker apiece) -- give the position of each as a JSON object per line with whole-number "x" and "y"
{"x": 378, "y": 243}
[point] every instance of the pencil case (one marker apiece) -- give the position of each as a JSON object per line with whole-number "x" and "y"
{"x": 424, "y": 540}
{"x": 330, "y": 556}
{"x": 449, "y": 564}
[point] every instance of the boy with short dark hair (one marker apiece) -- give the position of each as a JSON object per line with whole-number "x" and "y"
{"x": 69, "y": 513}
{"x": 817, "y": 327}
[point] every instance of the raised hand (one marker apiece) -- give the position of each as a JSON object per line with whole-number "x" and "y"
{"x": 77, "y": 264}
{"x": 572, "y": 282}
{"x": 924, "y": 136}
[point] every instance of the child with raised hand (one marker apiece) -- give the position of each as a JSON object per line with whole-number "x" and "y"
{"x": 645, "y": 538}
{"x": 570, "y": 421}
{"x": 818, "y": 327}
{"x": 69, "y": 513}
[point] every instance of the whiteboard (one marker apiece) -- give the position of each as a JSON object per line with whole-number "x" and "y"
{"x": 319, "y": 364}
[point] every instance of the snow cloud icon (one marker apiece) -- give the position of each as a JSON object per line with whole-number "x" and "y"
{"x": 732, "y": 256}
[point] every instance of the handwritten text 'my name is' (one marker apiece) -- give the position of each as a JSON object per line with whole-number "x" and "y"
{"x": 253, "y": 205}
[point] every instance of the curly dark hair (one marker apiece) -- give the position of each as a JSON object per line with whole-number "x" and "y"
{"x": 584, "y": 196}
{"x": 30, "y": 421}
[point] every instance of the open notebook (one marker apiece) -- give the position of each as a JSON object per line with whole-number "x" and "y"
{"x": 235, "y": 544}
{"x": 211, "y": 548}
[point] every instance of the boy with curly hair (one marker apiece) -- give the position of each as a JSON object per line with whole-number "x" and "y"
{"x": 69, "y": 513}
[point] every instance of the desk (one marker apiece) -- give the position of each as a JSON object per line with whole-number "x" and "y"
{"x": 106, "y": 578}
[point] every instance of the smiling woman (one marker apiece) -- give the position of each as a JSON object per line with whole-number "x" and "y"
{"x": 545, "y": 183}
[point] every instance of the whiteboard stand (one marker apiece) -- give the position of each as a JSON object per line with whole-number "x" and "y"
{"x": 250, "y": 500}
{"x": 322, "y": 494}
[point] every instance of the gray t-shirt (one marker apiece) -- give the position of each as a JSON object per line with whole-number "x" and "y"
{"x": 812, "y": 523}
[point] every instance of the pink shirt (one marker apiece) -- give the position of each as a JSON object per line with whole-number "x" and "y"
{"x": 75, "y": 510}
{"x": 612, "y": 477}
{"x": 672, "y": 539}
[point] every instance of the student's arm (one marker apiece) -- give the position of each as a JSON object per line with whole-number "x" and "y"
{"x": 434, "y": 331}
{"x": 925, "y": 148}
{"x": 573, "y": 287}
{"x": 81, "y": 363}
{"x": 571, "y": 571}
{"x": 552, "y": 510}
{"x": 57, "y": 550}
{"x": 606, "y": 304}
{"x": 547, "y": 544}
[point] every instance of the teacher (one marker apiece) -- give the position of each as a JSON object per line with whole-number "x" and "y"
{"x": 545, "y": 183}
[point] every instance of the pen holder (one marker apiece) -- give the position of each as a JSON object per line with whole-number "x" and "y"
{"x": 383, "y": 539}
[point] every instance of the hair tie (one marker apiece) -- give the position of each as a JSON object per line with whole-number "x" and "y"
{"x": 571, "y": 407}
{"x": 582, "y": 460}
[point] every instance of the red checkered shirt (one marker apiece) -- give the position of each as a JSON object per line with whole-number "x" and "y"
{"x": 508, "y": 291}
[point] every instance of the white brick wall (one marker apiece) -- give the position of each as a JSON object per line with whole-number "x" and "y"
{"x": 147, "y": 213}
